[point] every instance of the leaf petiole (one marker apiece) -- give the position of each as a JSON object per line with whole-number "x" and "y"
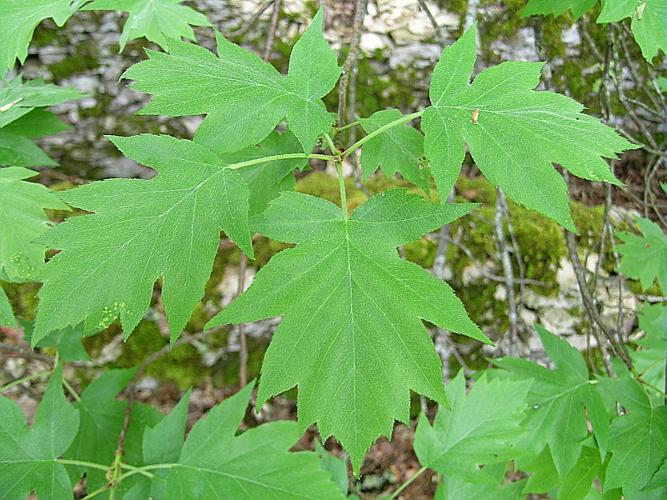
{"x": 384, "y": 128}
{"x": 287, "y": 156}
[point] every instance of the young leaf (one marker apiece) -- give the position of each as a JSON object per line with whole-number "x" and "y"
{"x": 18, "y": 20}
{"x": 558, "y": 7}
{"x": 648, "y": 22}
{"x": 101, "y": 419}
{"x": 18, "y": 98}
{"x": 28, "y": 455}
{"x": 22, "y": 222}
{"x": 577, "y": 483}
{"x": 35, "y": 124}
{"x": 645, "y": 257}
{"x": 543, "y": 473}
{"x": 556, "y": 403}
{"x": 215, "y": 463}
{"x": 398, "y": 149}
{"x": 266, "y": 180}
{"x": 336, "y": 467}
{"x": 638, "y": 440}
{"x": 68, "y": 341}
{"x": 6, "y": 313}
{"x": 649, "y": 359}
{"x": 481, "y": 428}
{"x": 514, "y": 133}
{"x": 351, "y": 337}
{"x": 156, "y": 20}
{"x": 489, "y": 483}
{"x": 142, "y": 230}
{"x": 244, "y": 97}
{"x": 21, "y": 152}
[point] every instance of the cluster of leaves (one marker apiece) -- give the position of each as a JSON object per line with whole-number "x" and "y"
{"x": 648, "y": 18}
{"x": 67, "y": 441}
{"x": 559, "y": 428}
{"x": 156, "y": 20}
{"x": 521, "y": 429}
{"x": 353, "y": 337}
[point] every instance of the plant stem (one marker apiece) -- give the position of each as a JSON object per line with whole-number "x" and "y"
{"x": 382, "y": 129}
{"x": 99, "y": 490}
{"x": 349, "y": 125}
{"x": 90, "y": 465}
{"x": 71, "y": 390}
{"x": 407, "y": 483}
{"x": 341, "y": 188}
{"x": 287, "y": 156}
{"x": 27, "y": 378}
{"x": 331, "y": 144}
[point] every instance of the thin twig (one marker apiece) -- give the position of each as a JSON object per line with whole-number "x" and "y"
{"x": 508, "y": 271}
{"x": 243, "y": 344}
{"x": 436, "y": 27}
{"x": 251, "y": 22}
{"x": 275, "y": 16}
{"x": 350, "y": 60}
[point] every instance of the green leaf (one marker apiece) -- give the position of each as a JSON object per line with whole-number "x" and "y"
{"x": 558, "y": 7}
{"x": 644, "y": 257}
{"x": 351, "y": 337}
{"x": 648, "y": 22}
{"x": 577, "y": 483}
{"x": 480, "y": 429}
{"x": 488, "y": 484}
{"x": 142, "y": 230}
{"x": 6, "y": 314}
{"x": 557, "y": 400}
{"x": 68, "y": 341}
{"x": 35, "y": 124}
{"x": 28, "y": 455}
{"x": 543, "y": 473}
{"x": 267, "y": 180}
{"x": 638, "y": 440}
{"x": 398, "y": 149}
{"x": 22, "y": 152}
{"x": 336, "y": 467}
{"x": 214, "y": 462}
{"x": 22, "y": 222}
{"x": 659, "y": 479}
{"x": 101, "y": 419}
{"x": 649, "y": 359}
{"x": 18, "y": 97}
{"x": 514, "y": 133}
{"x": 244, "y": 97}
{"x": 156, "y": 20}
{"x": 18, "y": 20}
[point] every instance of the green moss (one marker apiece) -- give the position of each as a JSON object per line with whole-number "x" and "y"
{"x": 325, "y": 186}
{"x": 84, "y": 58}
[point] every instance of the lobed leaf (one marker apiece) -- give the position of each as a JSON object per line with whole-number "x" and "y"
{"x": 140, "y": 231}
{"x": 22, "y": 222}
{"x": 514, "y": 134}
{"x": 351, "y": 337}
{"x": 557, "y": 400}
{"x": 398, "y": 149}
{"x": 213, "y": 462}
{"x": 644, "y": 257}
{"x": 28, "y": 455}
{"x": 638, "y": 439}
{"x": 648, "y": 22}
{"x": 18, "y": 20}
{"x": 244, "y": 97}
{"x": 481, "y": 428}
{"x": 156, "y": 20}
